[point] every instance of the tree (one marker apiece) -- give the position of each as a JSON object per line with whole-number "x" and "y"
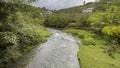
{"x": 18, "y": 1}
{"x": 84, "y": 2}
{"x": 8, "y": 7}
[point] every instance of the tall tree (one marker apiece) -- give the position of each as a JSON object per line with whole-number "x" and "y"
{"x": 10, "y": 6}
{"x": 18, "y": 1}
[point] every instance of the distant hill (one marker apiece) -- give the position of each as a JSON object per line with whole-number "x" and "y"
{"x": 76, "y": 9}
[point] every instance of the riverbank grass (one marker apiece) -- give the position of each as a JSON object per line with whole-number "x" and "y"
{"x": 94, "y": 51}
{"x": 95, "y": 57}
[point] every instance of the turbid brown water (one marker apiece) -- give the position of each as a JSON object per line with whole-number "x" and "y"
{"x": 60, "y": 51}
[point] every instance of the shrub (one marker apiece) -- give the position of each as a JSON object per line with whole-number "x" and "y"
{"x": 7, "y": 39}
{"x": 12, "y": 54}
{"x": 110, "y": 17}
{"x": 80, "y": 33}
{"x": 82, "y": 20}
{"x": 31, "y": 34}
{"x": 8, "y": 47}
{"x": 57, "y": 21}
{"x": 88, "y": 37}
{"x": 112, "y": 32}
{"x": 20, "y": 33}
{"x": 89, "y": 41}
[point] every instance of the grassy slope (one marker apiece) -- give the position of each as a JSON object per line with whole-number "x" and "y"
{"x": 94, "y": 56}
{"x": 76, "y": 9}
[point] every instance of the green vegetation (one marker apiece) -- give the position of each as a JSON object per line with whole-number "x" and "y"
{"x": 18, "y": 1}
{"x": 99, "y": 32}
{"x": 101, "y": 42}
{"x": 75, "y": 9}
{"x": 107, "y": 23}
{"x": 57, "y": 21}
{"x": 94, "y": 51}
{"x": 88, "y": 37}
{"x": 95, "y": 57}
{"x": 113, "y": 33}
{"x": 21, "y": 29}
{"x": 67, "y": 20}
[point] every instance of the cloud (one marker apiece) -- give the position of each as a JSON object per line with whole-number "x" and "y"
{"x": 59, "y": 4}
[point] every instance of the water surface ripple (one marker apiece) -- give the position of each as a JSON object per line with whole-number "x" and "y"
{"x": 60, "y": 51}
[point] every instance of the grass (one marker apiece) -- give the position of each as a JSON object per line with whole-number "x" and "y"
{"x": 95, "y": 57}
{"x": 93, "y": 52}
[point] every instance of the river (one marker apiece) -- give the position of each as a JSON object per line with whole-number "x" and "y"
{"x": 60, "y": 51}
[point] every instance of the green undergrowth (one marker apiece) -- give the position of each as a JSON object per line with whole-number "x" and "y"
{"x": 20, "y": 32}
{"x": 93, "y": 52}
{"x": 21, "y": 42}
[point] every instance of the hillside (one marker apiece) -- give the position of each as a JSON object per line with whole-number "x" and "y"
{"x": 76, "y": 9}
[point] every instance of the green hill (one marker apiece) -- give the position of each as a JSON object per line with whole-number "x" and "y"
{"x": 76, "y": 9}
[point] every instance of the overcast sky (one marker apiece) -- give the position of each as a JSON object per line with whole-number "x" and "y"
{"x": 59, "y": 4}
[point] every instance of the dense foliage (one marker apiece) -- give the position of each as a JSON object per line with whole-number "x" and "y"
{"x": 18, "y": 1}
{"x": 107, "y": 23}
{"x": 65, "y": 20}
{"x": 104, "y": 21}
{"x": 20, "y": 31}
{"x": 57, "y": 20}
{"x": 113, "y": 34}
{"x": 20, "y": 28}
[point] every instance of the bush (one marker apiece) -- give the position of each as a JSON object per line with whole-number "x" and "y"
{"x": 80, "y": 33}
{"x": 8, "y": 47}
{"x": 88, "y": 38}
{"x": 20, "y": 33}
{"x": 89, "y": 41}
{"x": 112, "y": 32}
{"x": 63, "y": 20}
{"x": 7, "y": 39}
{"x": 109, "y": 17}
{"x": 57, "y": 21}
{"x": 11, "y": 54}
{"x": 82, "y": 20}
{"x": 31, "y": 34}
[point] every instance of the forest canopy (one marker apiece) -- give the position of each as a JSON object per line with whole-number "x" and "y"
{"x": 18, "y": 1}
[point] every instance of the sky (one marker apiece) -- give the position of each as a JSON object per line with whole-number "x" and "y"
{"x": 59, "y": 4}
